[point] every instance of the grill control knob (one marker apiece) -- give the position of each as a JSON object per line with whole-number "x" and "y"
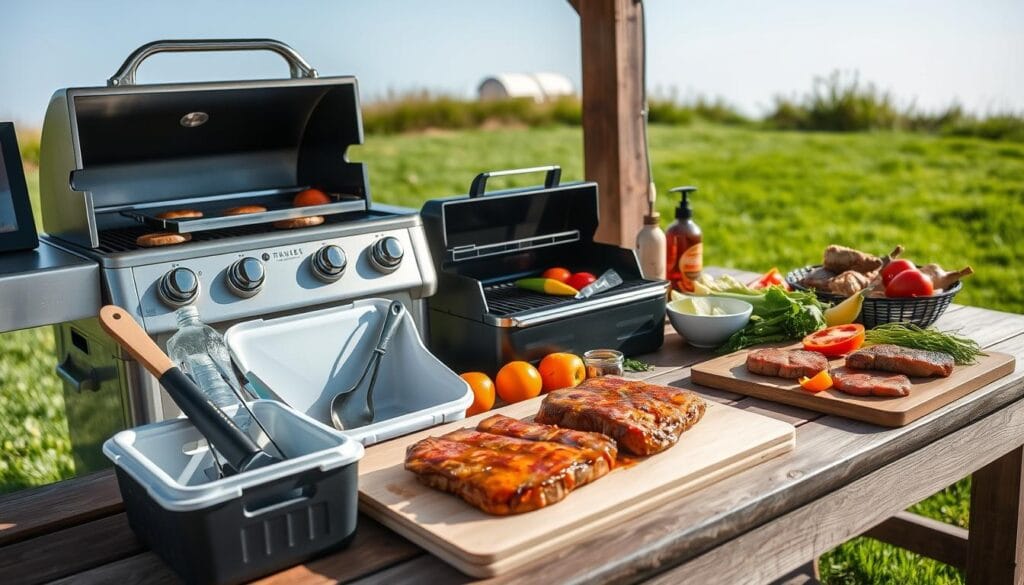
{"x": 246, "y": 276}
{"x": 178, "y": 287}
{"x": 386, "y": 254}
{"x": 329, "y": 263}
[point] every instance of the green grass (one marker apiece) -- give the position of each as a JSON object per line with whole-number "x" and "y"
{"x": 766, "y": 198}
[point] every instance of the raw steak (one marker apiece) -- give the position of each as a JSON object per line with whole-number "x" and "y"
{"x": 786, "y": 363}
{"x": 642, "y": 418}
{"x": 902, "y": 360}
{"x": 503, "y": 475}
{"x": 860, "y": 383}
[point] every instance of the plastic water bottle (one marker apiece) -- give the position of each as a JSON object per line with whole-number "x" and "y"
{"x": 201, "y": 353}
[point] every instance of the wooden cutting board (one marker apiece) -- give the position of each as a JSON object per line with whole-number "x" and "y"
{"x": 729, "y": 372}
{"x": 726, "y": 441}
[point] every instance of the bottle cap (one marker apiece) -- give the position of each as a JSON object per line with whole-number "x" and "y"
{"x": 684, "y": 211}
{"x": 653, "y": 219}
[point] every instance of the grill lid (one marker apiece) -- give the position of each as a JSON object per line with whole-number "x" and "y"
{"x": 130, "y": 146}
{"x": 480, "y": 225}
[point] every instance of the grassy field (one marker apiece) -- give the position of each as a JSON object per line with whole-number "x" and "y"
{"x": 766, "y": 198}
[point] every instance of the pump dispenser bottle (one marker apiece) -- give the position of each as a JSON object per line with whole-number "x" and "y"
{"x": 684, "y": 246}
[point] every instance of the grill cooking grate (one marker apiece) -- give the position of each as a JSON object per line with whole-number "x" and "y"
{"x": 507, "y": 299}
{"x": 113, "y": 241}
{"x": 123, "y": 239}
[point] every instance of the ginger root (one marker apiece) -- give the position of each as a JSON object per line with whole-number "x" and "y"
{"x": 942, "y": 279}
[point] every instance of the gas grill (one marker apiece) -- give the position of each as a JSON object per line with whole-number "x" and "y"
{"x": 114, "y": 158}
{"x": 481, "y": 244}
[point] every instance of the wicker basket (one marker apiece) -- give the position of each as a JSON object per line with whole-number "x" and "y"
{"x": 921, "y": 311}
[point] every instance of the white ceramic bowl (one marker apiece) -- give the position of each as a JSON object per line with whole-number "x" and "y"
{"x": 710, "y": 330}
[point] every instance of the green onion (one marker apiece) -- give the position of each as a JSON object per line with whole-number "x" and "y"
{"x": 964, "y": 350}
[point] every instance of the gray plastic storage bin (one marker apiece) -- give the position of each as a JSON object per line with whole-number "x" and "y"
{"x": 307, "y": 359}
{"x": 238, "y": 528}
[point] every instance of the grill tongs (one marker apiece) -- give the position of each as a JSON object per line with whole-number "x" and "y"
{"x": 239, "y": 451}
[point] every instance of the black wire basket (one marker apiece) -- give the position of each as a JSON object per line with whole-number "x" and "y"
{"x": 921, "y": 311}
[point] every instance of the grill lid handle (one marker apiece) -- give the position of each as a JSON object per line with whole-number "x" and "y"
{"x": 551, "y": 179}
{"x": 126, "y": 74}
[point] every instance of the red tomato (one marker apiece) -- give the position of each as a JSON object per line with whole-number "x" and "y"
{"x": 837, "y": 340}
{"x": 580, "y": 280}
{"x": 309, "y": 197}
{"x": 558, "y": 273}
{"x": 910, "y": 283}
{"x": 771, "y": 278}
{"x": 894, "y": 268}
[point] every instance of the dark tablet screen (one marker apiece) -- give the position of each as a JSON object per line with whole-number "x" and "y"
{"x": 8, "y": 220}
{"x": 17, "y": 228}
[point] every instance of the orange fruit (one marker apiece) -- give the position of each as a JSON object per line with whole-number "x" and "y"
{"x": 518, "y": 381}
{"x": 483, "y": 392}
{"x": 557, "y": 273}
{"x": 308, "y": 197}
{"x": 561, "y": 370}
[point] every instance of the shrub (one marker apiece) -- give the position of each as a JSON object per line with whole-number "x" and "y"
{"x": 837, "y": 103}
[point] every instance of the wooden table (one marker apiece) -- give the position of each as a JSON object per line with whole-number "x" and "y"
{"x": 845, "y": 478}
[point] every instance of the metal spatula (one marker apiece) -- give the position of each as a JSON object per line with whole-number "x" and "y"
{"x": 354, "y": 407}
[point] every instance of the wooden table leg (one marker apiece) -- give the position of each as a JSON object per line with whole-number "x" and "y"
{"x": 995, "y": 547}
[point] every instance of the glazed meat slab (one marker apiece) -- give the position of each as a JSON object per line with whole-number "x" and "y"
{"x": 642, "y": 418}
{"x": 514, "y": 472}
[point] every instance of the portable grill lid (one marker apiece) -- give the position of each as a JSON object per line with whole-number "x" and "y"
{"x": 149, "y": 143}
{"x": 486, "y": 224}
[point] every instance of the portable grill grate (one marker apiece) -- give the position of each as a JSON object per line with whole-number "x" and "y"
{"x": 506, "y": 299}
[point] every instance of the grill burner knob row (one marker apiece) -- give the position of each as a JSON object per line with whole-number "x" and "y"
{"x": 178, "y": 287}
{"x": 329, "y": 263}
{"x": 386, "y": 254}
{"x": 245, "y": 277}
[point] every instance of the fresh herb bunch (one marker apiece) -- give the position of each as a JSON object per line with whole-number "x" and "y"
{"x": 778, "y": 316}
{"x": 964, "y": 350}
{"x": 632, "y": 365}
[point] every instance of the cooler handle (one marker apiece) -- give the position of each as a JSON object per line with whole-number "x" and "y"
{"x": 280, "y": 493}
{"x": 297, "y": 66}
{"x": 551, "y": 179}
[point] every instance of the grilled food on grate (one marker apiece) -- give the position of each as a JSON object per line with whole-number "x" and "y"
{"x": 161, "y": 239}
{"x": 504, "y": 475}
{"x": 642, "y": 418}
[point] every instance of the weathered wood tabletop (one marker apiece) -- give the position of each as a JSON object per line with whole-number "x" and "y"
{"x": 843, "y": 479}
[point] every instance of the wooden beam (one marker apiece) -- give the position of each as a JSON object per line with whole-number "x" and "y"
{"x": 934, "y": 539}
{"x": 575, "y": 5}
{"x": 612, "y": 40}
{"x": 995, "y": 552}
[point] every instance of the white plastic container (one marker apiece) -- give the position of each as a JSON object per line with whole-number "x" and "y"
{"x": 308, "y": 358}
{"x": 233, "y": 529}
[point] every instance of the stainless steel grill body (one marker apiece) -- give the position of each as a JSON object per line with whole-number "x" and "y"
{"x": 113, "y": 158}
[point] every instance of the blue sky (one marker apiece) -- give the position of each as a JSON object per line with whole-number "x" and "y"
{"x": 743, "y": 50}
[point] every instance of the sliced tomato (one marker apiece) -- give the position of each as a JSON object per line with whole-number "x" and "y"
{"x": 771, "y": 278}
{"x": 820, "y": 382}
{"x": 837, "y": 340}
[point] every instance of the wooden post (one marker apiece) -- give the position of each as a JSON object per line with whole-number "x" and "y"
{"x": 995, "y": 542}
{"x": 613, "y": 147}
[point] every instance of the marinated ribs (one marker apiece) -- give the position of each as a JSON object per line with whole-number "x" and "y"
{"x": 902, "y": 360}
{"x": 504, "y": 475}
{"x": 642, "y": 418}
{"x": 786, "y": 363}
{"x": 595, "y": 443}
{"x": 860, "y": 383}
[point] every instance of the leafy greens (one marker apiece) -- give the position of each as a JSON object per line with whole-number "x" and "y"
{"x": 777, "y": 316}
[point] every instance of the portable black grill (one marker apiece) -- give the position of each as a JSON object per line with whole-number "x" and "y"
{"x": 482, "y": 243}
{"x": 114, "y": 158}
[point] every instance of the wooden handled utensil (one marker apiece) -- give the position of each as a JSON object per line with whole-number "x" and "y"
{"x": 237, "y": 448}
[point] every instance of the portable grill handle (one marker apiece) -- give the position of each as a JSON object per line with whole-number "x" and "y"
{"x": 551, "y": 179}
{"x": 126, "y": 74}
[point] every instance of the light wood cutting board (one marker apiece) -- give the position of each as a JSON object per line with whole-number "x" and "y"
{"x": 729, "y": 372}
{"x": 726, "y": 441}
